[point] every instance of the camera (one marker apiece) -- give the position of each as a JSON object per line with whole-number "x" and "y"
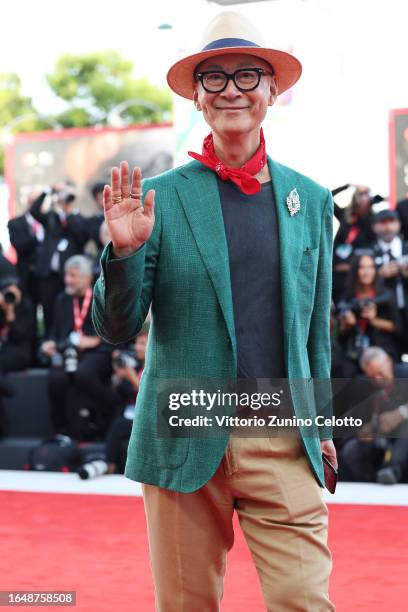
{"x": 125, "y": 359}
{"x": 9, "y": 297}
{"x": 355, "y": 305}
{"x": 67, "y": 354}
{"x": 70, "y": 356}
{"x": 66, "y": 197}
{"x": 93, "y": 469}
{"x": 5, "y": 283}
{"x": 62, "y": 196}
{"x": 401, "y": 261}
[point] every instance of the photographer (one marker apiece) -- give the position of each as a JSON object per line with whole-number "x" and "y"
{"x": 391, "y": 260}
{"x": 367, "y": 314}
{"x": 94, "y": 222}
{"x": 17, "y": 328}
{"x": 380, "y": 450}
{"x": 128, "y": 367}
{"x": 97, "y": 229}
{"x": 65, "y": 235}
{"x": 355, "y": 232}
{"x": 78, "y": 356}
{"x": 25, "y": 235}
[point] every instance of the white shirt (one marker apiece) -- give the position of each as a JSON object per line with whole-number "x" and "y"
{"x": 37, "y": 228}
{"x": 395, "y": 246}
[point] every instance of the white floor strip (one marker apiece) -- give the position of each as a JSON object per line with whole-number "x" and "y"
{"x": 369, "y": 493}
{"x": 55, "y": 482}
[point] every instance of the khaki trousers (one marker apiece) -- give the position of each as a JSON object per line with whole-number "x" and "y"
{"x": 283, "y": 517}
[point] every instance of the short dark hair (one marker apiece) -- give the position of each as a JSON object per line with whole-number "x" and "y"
{"x": 97, "y": 188}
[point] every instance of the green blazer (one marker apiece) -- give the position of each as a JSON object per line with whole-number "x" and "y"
{"x": 182, "y": 272}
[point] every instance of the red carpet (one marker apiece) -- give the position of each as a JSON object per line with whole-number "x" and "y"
{"x": 96, "y": 545}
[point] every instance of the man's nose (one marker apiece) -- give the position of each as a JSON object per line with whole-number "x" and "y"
{"x": 231, "y": 90}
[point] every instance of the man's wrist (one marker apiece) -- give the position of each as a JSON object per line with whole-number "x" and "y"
{"x": 125, "y": 252}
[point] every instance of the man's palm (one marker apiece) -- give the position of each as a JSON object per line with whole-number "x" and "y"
{"x": 129, "y": 223}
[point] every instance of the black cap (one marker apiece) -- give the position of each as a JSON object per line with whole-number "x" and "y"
{"x": 385, "y": 214}
{"x": 6, "y": 281}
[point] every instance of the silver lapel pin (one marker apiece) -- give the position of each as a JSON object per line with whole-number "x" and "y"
{"x": 293, "y": 202}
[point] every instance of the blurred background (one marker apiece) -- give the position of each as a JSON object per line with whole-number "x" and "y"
{"x": 95, "y": 64}
{"x": 83, "y": 86}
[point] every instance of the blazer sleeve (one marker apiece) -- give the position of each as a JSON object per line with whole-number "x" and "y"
{"x": 124, "y": 289}
{"x": 35, "y": 209}
{"x": 338, "y": 212}
{"x": 22, "y": 240}
{"x": 318, "y": 344}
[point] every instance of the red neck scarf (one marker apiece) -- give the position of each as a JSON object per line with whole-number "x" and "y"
{"x": 243, "y": 177}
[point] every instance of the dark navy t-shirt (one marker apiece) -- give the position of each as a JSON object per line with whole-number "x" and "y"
{"x": 253, "y": 245}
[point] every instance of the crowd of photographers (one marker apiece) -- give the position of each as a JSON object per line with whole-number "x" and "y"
{"x": 45, "y": 321}
{"x": 369, "y": 331}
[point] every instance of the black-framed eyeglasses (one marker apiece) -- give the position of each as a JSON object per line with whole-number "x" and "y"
{"x": 245, "y": 79}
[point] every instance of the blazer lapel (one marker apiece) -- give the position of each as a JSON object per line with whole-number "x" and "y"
{"x": 198, "y": 192}
{"x": 290, "y": 240}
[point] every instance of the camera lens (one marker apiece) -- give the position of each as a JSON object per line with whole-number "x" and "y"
{"x": 9, "y": 297}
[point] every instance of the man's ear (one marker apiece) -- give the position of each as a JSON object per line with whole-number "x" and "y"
{"x": 273, "y": 92}
{"x": 195, "y": 98}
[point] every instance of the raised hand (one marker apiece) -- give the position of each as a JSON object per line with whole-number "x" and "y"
{"x": 130, "y": 223}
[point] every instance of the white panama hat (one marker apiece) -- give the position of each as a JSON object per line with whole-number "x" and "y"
{"x": 231, "y": 32}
